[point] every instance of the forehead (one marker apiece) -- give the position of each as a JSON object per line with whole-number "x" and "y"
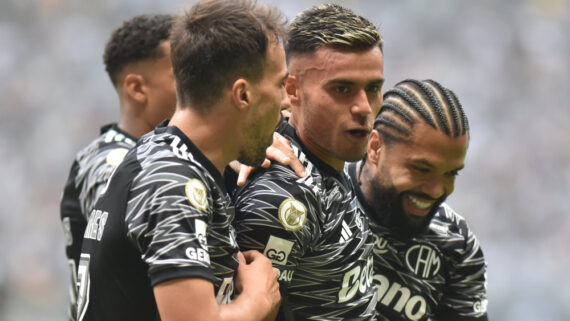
{"x": 275, "y": 60}
{"x": 329, "y": 63}
{"x": 433, "y": 146}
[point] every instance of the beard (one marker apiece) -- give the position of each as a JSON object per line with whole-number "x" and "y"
{"x": 257, "y": 141}
{"x": 388, "y": 210}
{"x": 254, "y": 153}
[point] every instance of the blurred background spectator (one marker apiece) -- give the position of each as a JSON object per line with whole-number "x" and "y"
{"x": 507, "y": 60}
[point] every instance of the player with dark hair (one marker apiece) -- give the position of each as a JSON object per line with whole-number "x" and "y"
{"x": 427, "y": 262}
{"x": 159, "y": 244}
{"x": 312, "y": 227}
{"x": 137, "y": 59}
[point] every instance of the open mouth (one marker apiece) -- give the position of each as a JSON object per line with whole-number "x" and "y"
{"x": 420, "y": 204}
{"x": 358, "y": 133}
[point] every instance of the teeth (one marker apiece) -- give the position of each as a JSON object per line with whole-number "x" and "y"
{"x": 418, "y": 203}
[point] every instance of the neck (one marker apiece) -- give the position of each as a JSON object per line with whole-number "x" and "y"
{"x": 212, "y": 132}
{"x": 133, "y": 127}
{"x": 322, "y": 154}
{"x": 363, "y": 180}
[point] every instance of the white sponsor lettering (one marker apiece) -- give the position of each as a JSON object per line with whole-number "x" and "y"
{"x": 414, "y": 307}
{"x": 96, "y": 225}
{"x": 201, "y": 227}
{"x": 380, "y": 245}
{"x": 480, "y": 306}
{"x": 198, "y": 254}
{"x": 278, "y": 249}
{"x": 358, "y": 279}
{"x": 285, "y": 275}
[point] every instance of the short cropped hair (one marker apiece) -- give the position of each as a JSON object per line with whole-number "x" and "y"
{"x": 331, "y": 25}
{"x": 216, "y": 42}
{"x": 137, "y": 39}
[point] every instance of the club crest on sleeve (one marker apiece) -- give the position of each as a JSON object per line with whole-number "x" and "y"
{"x": 115, "y": 157}
{"x": 196, "y": 193}
{"x": 292, "y": 214}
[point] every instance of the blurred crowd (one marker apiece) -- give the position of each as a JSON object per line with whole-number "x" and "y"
{"x": 508, "y": 61}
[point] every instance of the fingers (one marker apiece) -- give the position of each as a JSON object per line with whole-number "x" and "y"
{"x": 244, "y": 172}
{"x": 241, "y": 258}
{"x": 266, "y": 163}
{"x": 298, "y": 167}
{"x": 251, "y": 255}
{"x": 278, "y": 155}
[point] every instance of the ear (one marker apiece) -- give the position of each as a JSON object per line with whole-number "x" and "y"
{"x": 291, "y": 89}
{"x": 240, "y": 93}
{"x": 375, "y": 147}
{"x": 134, "y": 87}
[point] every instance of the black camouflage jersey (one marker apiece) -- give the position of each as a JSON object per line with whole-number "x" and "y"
{"x": 89, "y": 173}
{"x": 165, "y": 215}
{"x": 315, "y": 233}
{"x": 439, "y": 274}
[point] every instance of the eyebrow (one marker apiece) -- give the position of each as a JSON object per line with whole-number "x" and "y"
{"x": 430, "y": 165}
{"x": 349, "y": 82}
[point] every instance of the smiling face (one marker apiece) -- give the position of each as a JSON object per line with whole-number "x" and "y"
{"x": 335, "y": 95}
{"x": 410, "y": 179}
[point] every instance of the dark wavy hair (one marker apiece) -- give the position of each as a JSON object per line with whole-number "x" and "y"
{"x": 137, "y": 39}
{"x": 216, "y": 42}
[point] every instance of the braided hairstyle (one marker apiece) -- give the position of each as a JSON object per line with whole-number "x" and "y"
{"x": 413, "y": 100}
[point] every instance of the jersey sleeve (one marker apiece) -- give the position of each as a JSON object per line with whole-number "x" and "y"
{"x": 167, "y": 219}
{"x": 276, "y": 216}
{"x": 465, "y": 297}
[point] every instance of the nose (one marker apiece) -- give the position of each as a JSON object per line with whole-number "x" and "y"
{"x": 361, "y": 105}
{"x": 435, "y": 187}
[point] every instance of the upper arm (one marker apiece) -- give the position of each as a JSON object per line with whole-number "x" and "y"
{"x": 186, "y": 299}
{"x": 465, "y": 297}
{"x": 168, "y": 224}
{"x": 275, "y": 217}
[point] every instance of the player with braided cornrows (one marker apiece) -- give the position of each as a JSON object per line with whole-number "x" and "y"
{"x": 312, "y": 228}
{"x": 427, "y": 262}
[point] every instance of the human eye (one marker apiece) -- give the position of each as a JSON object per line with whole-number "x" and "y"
{"x": 420, "y": 169}
{"x": 454, "y": 173}
{"x": 342, "y": 89}
{"x": 373, "y": 89}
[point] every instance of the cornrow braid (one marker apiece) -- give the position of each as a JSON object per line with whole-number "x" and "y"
{"x": 414, "y": 100}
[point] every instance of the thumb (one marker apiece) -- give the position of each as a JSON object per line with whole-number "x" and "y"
{"x": 241, "y": 258}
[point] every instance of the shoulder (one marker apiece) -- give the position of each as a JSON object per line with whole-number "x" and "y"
{"x": 275, "y": 184}
{"x": 448, "y": 221}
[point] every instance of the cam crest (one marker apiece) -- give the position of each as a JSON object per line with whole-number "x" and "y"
{"x": 196, "y": 193}
{"x": 292, "y": 214}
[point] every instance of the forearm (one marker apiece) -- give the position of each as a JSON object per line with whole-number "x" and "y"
{"x": 249, "y": 308}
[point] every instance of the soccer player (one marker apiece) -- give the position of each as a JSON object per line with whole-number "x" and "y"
{"x": 427, "y": 262}
{"x": 312, "y": 228}
{"x": 159, "y": 244}
{"x": 137, "y": 59}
